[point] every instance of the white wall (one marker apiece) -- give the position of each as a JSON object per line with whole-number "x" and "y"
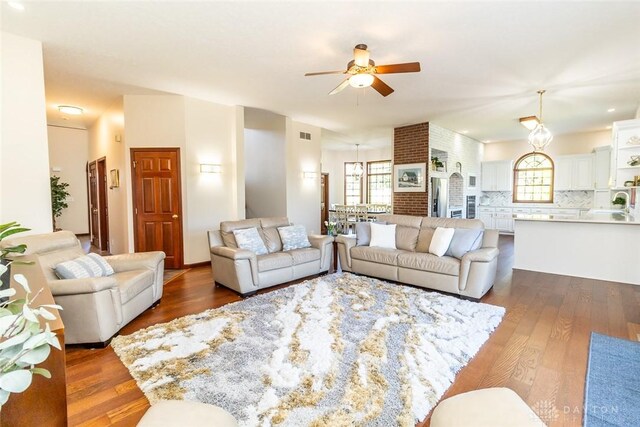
{"x": 265, "y": 161}
{"x": 209, "y": 138}
{"x": 25, "y": 192}
{"x": 333, "y": 164}
{"x": 572, "y": 143}
{"x": 106, "y": 139}
{"x": 68, "y": 156}
{"x": 303, "y": 195}
{"x": 205, "y": 132}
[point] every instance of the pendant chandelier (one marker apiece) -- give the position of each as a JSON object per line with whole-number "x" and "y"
{"x": 357, "y": 168}
{"x": 540, "y": 136}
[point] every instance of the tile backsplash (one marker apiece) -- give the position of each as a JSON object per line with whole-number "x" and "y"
{"x": 561, "y": 199}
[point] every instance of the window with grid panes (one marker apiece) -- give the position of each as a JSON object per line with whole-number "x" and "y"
{"x": 379, "y": 182}
{"x": 352, "y": 185}
{"x": 533, "y": 179}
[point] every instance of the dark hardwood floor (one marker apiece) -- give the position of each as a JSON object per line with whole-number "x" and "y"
{"x": 539, "y": 350}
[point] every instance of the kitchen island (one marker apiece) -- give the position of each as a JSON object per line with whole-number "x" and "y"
{"x": 603, "y": 246}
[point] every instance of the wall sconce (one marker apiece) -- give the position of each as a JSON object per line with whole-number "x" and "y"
{"x": 309, "y": 175}
{"x": 209, "y": 168}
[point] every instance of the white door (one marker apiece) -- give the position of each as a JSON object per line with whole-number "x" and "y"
{"x": 583, "y": 172}
{"x": 504, "y": 176}
{"x": 563, "y": 173}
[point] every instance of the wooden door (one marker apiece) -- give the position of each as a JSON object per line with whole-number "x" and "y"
{"x": 157, "y": 202}
{"x": 103, "y": 207}
{"x": 324, "y": 202}
{"x": 93, "y": 204}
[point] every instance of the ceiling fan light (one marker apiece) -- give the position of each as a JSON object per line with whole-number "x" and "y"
{"x": 361, "y": 55}
{"x": 361, "y": 80}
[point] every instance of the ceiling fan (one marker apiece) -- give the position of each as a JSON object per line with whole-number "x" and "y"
{"x": 362, "y": 72}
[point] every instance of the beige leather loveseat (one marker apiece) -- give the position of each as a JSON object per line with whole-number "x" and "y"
{"x": 471, "y": 276}
{"x": 245, "y": 272}
{"x": 95, "y": 309}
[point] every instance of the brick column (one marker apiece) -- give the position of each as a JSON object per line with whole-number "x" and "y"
{"x": 411, "y": 145}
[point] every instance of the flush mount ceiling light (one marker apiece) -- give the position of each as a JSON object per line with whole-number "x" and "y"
{"x": 357, "y": 169}
{"x": 529, "y": 122}
{"x": 540, "y": 136}
{"x": 70, "y": 109}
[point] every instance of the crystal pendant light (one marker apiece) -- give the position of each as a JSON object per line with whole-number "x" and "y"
{"x": 357, "y": 169}
{"x": 540, "y": 136}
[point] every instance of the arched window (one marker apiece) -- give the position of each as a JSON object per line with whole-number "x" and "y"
{"x": 533, "y": 179}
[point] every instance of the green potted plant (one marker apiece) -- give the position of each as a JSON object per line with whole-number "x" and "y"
{"x": 437, "y": 164}
{"x": 619, "y": 202}
{"x": 7, "y": 230}
{"x": 59, "y": 196}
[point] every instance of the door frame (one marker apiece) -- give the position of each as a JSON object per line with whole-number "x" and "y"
{"x": 103, "y": 204}
{"x": 134, "y": 191}
{"x": 94, "y": 237}
{"x": 324, "y": 216}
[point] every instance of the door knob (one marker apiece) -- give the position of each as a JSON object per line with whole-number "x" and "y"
{"x": 174, "y": 216}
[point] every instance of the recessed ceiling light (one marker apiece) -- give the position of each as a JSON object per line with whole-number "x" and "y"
{"x": 608, "y": 127}
{"x": 464, "y": 131}
{"x": 16, "y": 5}
{"x": 611, "y": 110}
{"x": 70, "y": 109}
{"x": 486, "y": 141}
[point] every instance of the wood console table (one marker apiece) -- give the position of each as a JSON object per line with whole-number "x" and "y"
{"x": 44, "y": 403}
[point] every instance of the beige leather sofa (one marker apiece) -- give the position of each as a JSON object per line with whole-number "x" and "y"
{"x": 95, "y": 309}
{"x": 472, "y": 276}
{"x": 245, "y": 272}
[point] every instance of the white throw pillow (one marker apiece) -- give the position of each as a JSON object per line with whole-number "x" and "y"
{"x": 383, "y": 235}
{"x": 441, "y": 240}
{"x": 293, "y": 237}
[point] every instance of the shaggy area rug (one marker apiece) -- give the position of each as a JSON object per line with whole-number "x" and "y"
{"x": 334, "y": 351}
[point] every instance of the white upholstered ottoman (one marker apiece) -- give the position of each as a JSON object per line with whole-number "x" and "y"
{"x": 183, "y": 413}
{"x": 490, "y": 407}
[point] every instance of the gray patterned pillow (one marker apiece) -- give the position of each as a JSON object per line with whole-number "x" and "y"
{"x": 293, "y": 237}
{"x": 249, "y": 239}
{"x": 91, "y": 265}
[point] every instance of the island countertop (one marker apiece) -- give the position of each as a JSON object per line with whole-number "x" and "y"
{"x": 588, "y": 217}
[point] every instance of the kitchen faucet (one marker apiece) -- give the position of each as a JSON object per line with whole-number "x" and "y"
{"x": 626, "y": 200}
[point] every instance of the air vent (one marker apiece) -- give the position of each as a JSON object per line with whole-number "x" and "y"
{"x": 305, "y": 135}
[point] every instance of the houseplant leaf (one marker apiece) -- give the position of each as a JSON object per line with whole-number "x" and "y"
{"x": 41, "y": 371}
{"x": 16, "y": 381}
{"x": 37, "y": 355}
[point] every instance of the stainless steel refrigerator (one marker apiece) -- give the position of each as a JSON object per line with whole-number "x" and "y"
{"x": 439, "y": 197}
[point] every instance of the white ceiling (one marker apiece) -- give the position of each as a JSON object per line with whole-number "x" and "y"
{"x": 482, "y": 62}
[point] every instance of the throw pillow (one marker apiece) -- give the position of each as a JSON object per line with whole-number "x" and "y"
{"x": 383, "y": 235}
{"x": 363, "y": 232}
{"x": 293, "y": 237}
{"x": 90, "y": 265}
{"x": 441, "y": 240}
{"x": 463, "y": 241}
{"x": 424, "y": 239}
{"x": 249, "y": 239}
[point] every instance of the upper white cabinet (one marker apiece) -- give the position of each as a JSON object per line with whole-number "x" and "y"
{"x": 497, "y": 175}
{"x": 574, "y": 172}
{"x": 602, "y": 167}
{"x": 626, "y": 146}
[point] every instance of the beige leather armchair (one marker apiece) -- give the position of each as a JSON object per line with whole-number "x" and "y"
{"x": 95, "y": 309}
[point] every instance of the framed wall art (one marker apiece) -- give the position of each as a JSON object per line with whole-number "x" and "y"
{"x": 410, "y": 178}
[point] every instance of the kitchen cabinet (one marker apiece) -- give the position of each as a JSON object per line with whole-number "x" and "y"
{"x": 626, "y": 145}
{"x": 486, "y": 216}
{"x": 602, "y": 167}
{"x": 497, "y": 175}
{"x": 574, "y": 172}
{"x": 503, "y": 219}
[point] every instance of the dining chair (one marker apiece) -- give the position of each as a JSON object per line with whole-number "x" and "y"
{"x": 341, "y": 218}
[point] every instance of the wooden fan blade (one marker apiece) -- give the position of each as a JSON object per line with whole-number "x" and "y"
{"x": 382, "y": 88}
{"x": 325, "y": 72}
{"x": 409, "y": 67}
{"x": 341, "y": 86}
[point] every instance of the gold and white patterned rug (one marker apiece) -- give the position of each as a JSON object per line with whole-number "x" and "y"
{"x": 334, "y": 351}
